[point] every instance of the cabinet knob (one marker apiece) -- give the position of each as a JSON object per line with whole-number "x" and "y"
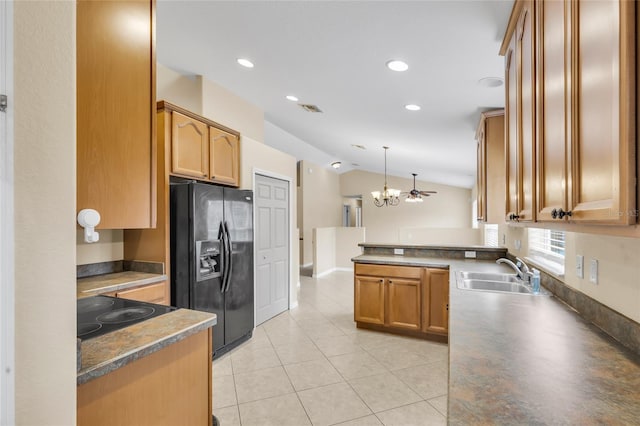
{"x": 213, "y": 177}
{"x": 562, "y": 213}
{"x": 381, "y": 280}
{"x": 514, "y": 216}
{"x": 559, "y": 213}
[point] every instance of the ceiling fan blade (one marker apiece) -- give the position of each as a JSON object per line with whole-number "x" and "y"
{"x": 427, "y": 192}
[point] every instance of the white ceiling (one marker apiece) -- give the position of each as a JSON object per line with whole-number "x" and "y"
{"x": 333, "y": 53}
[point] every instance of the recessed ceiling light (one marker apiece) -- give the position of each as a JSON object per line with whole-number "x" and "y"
{"x": 358, "y": 146}
{"x": 397, "y": 65}
{"x": 491, "y": 82}
{"x": 336, "y": 164}
{"x": 292, "y": 98}
{"x": 412, "y": 107}
{"x": 245, "y": 62}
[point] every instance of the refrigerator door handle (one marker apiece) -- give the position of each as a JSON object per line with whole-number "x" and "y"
{"x": 229, "y": 257}
{"x": 223, "y": 255}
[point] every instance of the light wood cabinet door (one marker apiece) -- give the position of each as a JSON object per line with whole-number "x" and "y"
{"x": 511, "y": 132}
{"x": 481, "y": 180}
{"x": 369, "y": 300}
{"x": 554, "y": 131}
{"x": 525, "y": 53}
{"x": 602, "y": 187}
{"x": 223, "y": 157}
{"x": 189, "y": 146}
{"x": 491, "y": 177}
{"x": 152, "y": 293}
{"x": 116, "y": 154}
{"x": 403, "y": 303}
{"x": 435, "y": 301}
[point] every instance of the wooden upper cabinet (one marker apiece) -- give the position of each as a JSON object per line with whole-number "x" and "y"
{"x": 116, "y": 156}
{"x": 491, "y": 176}
{"x": 525, "y": 51}
{"x": 189, "y": 146}
{"x": 201, "y": 148}
{"x": 224, "y": 150}
{"x": 435, "y": 301}
{"x": 602, "y": 188}
{"x": 554, "y": 132}
{"x": 511, "y": 132}
{"x": 404, "y": 303}
{"x": 481, "y": 179}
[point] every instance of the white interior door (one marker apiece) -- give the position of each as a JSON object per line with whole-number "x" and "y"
{"x": 271, "y": 198}
{"x": 7, "y": 311}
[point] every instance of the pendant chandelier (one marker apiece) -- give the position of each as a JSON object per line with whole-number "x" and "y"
{"x": 388, "y": 197}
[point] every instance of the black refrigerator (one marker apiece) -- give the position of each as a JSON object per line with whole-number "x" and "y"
{"x": 212, "y": 257}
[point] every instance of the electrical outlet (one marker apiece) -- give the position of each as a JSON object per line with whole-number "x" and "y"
{"x": 470, "y": 254}
{"x": 580, "y": 266}
{"x": 398, "y": 251}
{"x": 593, "y": 275}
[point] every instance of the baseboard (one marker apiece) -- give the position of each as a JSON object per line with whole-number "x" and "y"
{"x": 293, "y": 305}
{"x": 306, "y": 265}
{"x": 324, "y": 273}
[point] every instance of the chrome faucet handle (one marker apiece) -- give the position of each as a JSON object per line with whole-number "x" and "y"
{"x": 520, "y": 263}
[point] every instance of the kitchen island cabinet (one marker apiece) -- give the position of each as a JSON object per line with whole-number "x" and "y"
{"x": 401, "y": 299}
{"x": 156, "y": 372}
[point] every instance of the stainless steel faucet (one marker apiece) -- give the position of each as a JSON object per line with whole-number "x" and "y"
{"x": 521, "y": 268}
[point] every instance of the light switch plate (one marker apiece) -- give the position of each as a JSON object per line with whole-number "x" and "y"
{"x": 580, "y": 266}
{"x": 518, "y": 244}
{"x": 398, "y": 251}
{"x": 470, "y": 254}
{"x": 593, "y": 275}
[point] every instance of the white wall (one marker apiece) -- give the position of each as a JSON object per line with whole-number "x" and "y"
{"x": 618, "y": 263}
{"x": 443, "y": 236}
{"x": 178, "y": 89}
{"x": 45, "y": 200}
{"x": 449, "y": 208}
{"x": 228, "y": 109}
{"x": 321, "y": 203}
{"x": 109, "y": 248}
{"x": 334, "y": 248}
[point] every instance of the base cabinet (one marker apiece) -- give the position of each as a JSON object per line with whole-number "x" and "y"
{"x": 435, "y": 293}
{"x": 370, "y": 293}
{"x": 402, "y": 299}
{"x": 169, "y": 387}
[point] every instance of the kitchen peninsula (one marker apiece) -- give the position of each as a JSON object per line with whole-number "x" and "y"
{"x": 157, "y": 371}
{"x": 522, "y": 359}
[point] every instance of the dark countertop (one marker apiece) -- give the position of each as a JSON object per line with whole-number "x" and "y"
{"x": 520, "y": 359}
{"x": 423, "y": 262}
{"x": 100, "y": 284}
{"x": 108, "y": 352}
{"x": 433, "y": 247}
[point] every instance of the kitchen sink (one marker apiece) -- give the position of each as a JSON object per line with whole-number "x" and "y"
{"x": 495, "y": 282}
{"x": 490, "y": 276}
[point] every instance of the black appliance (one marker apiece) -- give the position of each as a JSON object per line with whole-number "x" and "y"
{"x": 98, "y": 315}
{"x": 212, "y": 257}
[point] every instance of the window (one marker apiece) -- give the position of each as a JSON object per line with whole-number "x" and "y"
{"x": 491, "y": 235}
{"x": 547, "y": 244}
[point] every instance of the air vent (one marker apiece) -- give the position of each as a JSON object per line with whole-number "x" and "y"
{"x": 310, "y": 108}
{"x": 358, "y": 146}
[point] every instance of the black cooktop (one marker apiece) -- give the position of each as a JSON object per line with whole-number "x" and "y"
{"x": 98, "y": 315}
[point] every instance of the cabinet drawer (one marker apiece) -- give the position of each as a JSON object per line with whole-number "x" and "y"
{"x": 154, "y": 293}
{"x": 388, "y": 271}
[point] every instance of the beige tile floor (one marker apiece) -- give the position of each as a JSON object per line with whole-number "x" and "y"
{"x": 312, "y": 366}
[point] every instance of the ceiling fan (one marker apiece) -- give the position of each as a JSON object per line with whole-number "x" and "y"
{"x": 415, "y": 196}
